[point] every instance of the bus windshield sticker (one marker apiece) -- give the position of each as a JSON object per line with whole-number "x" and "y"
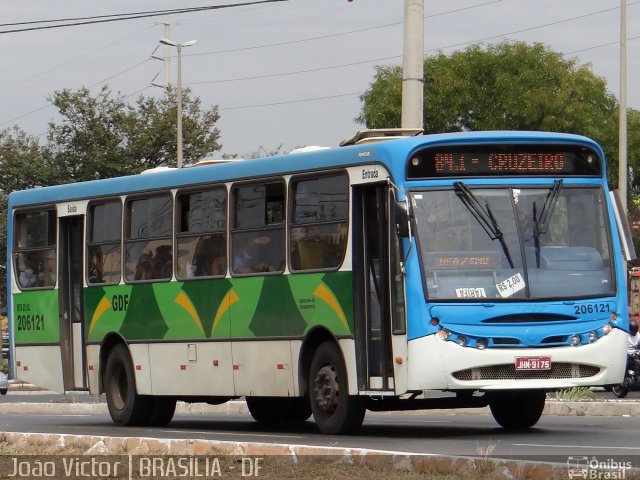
{"x": 471, "y": 293}
{"x": 511, "y": 285}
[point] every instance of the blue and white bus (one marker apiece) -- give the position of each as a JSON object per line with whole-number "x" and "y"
{"x": 438, "y": 271}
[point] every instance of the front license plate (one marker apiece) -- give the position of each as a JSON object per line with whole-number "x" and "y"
{"x": 533, "y": 363}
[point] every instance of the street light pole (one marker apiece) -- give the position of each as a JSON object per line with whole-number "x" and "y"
{"x": 622, "y": 114}
{"x": 166, "y": 41}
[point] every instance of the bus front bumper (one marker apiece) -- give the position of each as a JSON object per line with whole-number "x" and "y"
{"x": 435, "y": 364}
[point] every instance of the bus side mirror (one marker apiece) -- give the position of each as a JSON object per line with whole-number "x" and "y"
{"x": 402, "y": 217}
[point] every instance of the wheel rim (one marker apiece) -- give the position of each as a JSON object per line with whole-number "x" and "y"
{"x": 326, "y": 389}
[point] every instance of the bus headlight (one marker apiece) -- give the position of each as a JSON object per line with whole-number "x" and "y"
{"x": 576, "y": 340}
{"x": 442, "y": 334}
{"x": 593, "y": 336}
{"x": 606, "y": 329}
{"x": 481, "y": 343}
{"x": 462, "y": 341}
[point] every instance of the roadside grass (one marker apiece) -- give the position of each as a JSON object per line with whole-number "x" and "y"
{"x": 575, "y": 394}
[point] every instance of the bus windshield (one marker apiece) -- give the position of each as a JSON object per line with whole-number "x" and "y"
{"x": 514, "y": 243}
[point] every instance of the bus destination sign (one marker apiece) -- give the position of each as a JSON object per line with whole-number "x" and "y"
{"x": 518, "y": 163}
{"x": 518, "y": 160}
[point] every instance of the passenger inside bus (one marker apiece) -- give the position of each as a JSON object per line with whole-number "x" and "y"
{"x": 28, "y": 276}
{"x": 96, "y": 266}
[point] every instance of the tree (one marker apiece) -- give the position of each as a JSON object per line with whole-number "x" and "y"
{"x": 153, "y": 140}
{"x": 23, "y": 164}
{"x": 510, "y": 86}
{"x": 103, "y": 136}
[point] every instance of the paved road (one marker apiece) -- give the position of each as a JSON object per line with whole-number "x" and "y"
{"x": 554, "y": 438}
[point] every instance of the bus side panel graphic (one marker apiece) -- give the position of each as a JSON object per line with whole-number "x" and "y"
{"x": 270, "y": 306}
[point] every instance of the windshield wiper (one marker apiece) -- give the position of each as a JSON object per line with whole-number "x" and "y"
{"x": 484, "y": 216}
{"x": 541, "y": 223}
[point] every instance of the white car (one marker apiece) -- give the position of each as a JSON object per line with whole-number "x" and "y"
{"x": 4, "y": 383}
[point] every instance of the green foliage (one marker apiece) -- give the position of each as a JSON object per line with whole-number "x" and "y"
{"x": 575, "y": 394}
{"x": 510, "y": 86}
{"x": 102, "y": 136}
{"x": 153, "y": 133}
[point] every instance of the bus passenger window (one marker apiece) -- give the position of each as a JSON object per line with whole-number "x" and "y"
{"x": 34, "y": 244}
{"x": 103, "y": 243}
{"x": 201, "y": 234}
{"x": 257, "y": 237}
{"x": 148, "y": 241}
{"x": 318, "y": 233}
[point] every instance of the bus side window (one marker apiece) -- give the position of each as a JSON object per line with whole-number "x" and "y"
{"x": 201, "y": 238}
{"x": 103, "y": 243}
{"x": 319, "y": 222}
{"x": 34, "y": 244}
{"x": 149, "y": 238}
{"x": 257, "y": 236}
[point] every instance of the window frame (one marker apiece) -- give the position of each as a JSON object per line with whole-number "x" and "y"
{"x": 180, "y": 235}
{"x": 16, "y": 250}
{"x": 126, "y": 233}
{"x": 291, "y": 223}
{"x": 89, "y": 244}
{"x": 232, "y": 221}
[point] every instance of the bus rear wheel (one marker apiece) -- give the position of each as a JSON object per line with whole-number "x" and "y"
{"x": 517, "y": 409}
{"x": 161, "y": 411}
{"x": 334, "y": 410}
{"x": 279, "y": 409}
{"x": 126, "y": 407}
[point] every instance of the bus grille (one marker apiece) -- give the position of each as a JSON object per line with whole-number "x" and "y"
{"x": 509, "y": 372}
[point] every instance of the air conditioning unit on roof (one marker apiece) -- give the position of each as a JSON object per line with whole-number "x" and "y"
{"x": 379, "y": 135}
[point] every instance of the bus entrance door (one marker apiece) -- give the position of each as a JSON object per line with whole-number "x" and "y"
{"x": 372, "y": 289}
{"x": 70, "y": 283}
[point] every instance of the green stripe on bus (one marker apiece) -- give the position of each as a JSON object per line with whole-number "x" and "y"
{"x": 251, "y": 307}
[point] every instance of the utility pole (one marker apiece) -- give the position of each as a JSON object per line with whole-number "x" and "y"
{"x": 413, "y": 65}
{"x": 166, "y": 57}
{"x": 622, "y": 136}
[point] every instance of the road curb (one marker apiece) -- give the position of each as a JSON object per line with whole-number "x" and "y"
{"x": 607, "y": 408}
{"x": 468, "y": 467}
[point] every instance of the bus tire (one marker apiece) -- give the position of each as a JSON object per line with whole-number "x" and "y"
{"x": 161, "y": 411}
{"x": 334, "y": 410}
{"x": 279, "y": 409}
{"x": 299, "y": 410}
{"x": 517, "y": 409}
{"x": 126, "y": 407}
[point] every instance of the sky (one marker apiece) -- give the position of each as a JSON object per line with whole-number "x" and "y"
{"x": 283, "y": 74}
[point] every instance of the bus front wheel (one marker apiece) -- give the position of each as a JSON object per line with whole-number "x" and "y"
{"x": 126, "y": 407}
{"x": 517, "y": 409}
{"x": 334, "y": 410}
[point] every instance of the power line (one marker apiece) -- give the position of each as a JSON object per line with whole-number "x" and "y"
{"x": 530, "y": 28}
{"x": 128, "y": 16}
{"x": 292, "y": 101}
{"x": 284, "y": 74}
{"x": 332, "y": 35}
